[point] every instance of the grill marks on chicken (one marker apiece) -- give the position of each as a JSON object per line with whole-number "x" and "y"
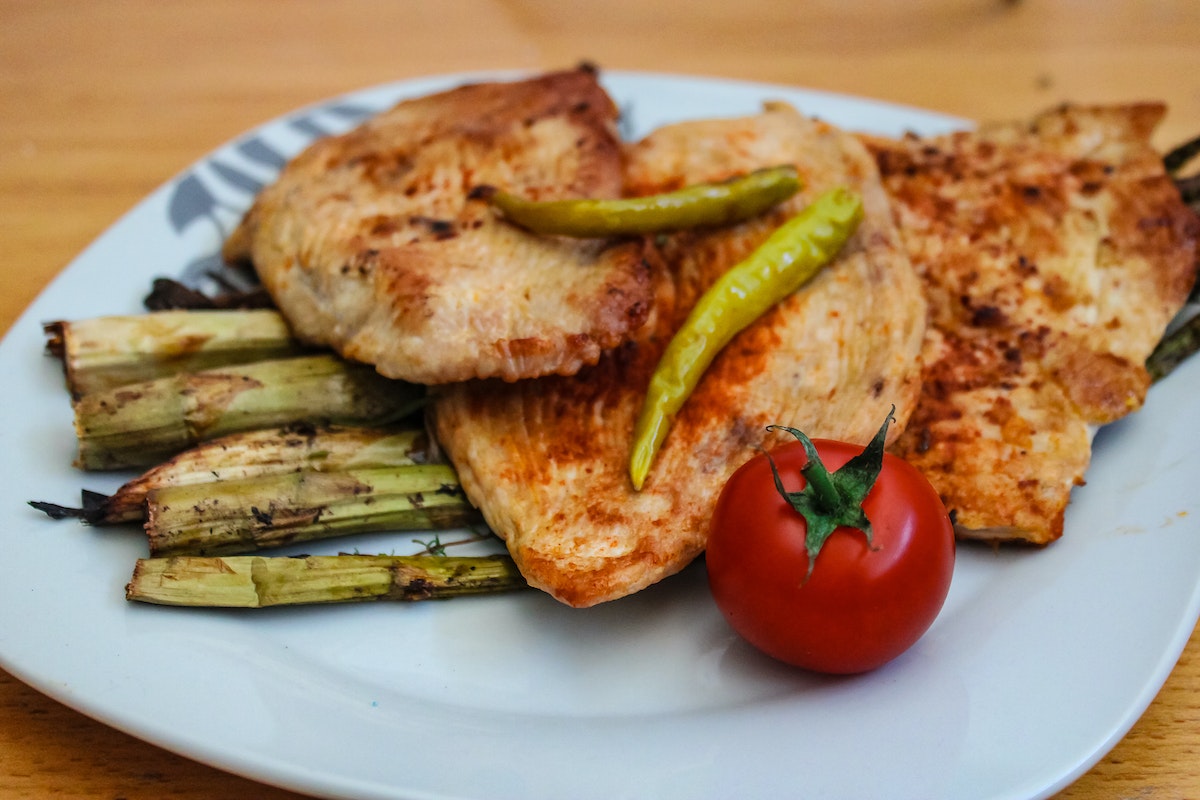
{"x": 371, "y": 242}
{"x": 546, "y": 460}
{"x": 1053, "y": 254}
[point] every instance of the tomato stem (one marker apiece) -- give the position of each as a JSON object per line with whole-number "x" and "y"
{"x": 825, "y": 494}
{"x": 834, "y": 500}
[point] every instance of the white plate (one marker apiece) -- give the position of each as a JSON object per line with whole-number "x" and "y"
{"x": 1039, "y": 663}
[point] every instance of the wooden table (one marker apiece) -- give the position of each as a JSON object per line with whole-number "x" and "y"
{"x": 102, "y": 102}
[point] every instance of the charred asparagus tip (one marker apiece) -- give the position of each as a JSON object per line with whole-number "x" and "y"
{"x": 92, "y": 508}
{"x": 1174, "y": 349}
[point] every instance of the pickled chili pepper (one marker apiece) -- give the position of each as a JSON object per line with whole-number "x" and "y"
{"x": 700, "y": 205}
{"x": 793, "y": 254}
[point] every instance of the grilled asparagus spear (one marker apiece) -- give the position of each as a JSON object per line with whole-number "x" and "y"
{"x": 274, "y": 451}
{"x": 240, "y": 516}
{"x": 1174, "y": 349}
{"x": 146, "y": 423}
{"x": 105, "y": 352}
{"x": 258, "y": 582}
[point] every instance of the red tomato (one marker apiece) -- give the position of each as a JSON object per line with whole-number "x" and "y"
{"x": 863, "y": 604}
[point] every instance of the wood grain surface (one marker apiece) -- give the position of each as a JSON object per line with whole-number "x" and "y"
{"x": 101, "y": 102}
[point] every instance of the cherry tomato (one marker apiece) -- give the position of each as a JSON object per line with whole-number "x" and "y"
{"x": 863, "y": 603}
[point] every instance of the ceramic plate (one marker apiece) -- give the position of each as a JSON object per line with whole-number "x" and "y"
{"x": 1039, "y": 663}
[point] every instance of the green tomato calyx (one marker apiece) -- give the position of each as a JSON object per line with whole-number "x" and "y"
{"x": 831, "y": 500}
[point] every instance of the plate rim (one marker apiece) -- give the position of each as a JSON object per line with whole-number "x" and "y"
{"x": 280, "y": 774}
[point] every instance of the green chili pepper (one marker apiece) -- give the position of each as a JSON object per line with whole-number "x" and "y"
{"x": 792, "y": 255}
{"x": 704, "y": 204}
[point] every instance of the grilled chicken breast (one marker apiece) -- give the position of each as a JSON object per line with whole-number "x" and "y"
{"x": 371, "y": 242}
{"x": 1053, "y": 254}
{"x": 547, "y": 460}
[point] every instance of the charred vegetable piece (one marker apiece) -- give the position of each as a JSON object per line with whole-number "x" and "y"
{"x": 274, "y": 451}
{"x": 1189, "y": 191}
{"x": 790, "y": 257}
{"x": 242, "y": 516}
{"x": 259, "y": 582}
{"x": 244, "y": 293}
{"x": 702, "y": 205}
{"x": 1174, "y": 349}
{"x": 1175, "y": 160}
{"x": 105, "y": 352}
{"x": 1178, "y": 157}
{"x": 142, "y": 424}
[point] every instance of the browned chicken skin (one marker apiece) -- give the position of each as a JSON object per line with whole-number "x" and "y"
{"x": 547, "y": 460}
{"x": 1053, "y": 254}
{"x": 371, "y": 242}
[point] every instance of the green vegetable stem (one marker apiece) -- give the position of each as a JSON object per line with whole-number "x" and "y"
{"x": 831, "y": 500}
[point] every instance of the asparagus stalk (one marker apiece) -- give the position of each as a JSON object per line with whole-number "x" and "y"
{"x": 241, "y": 516}
{"x": 258, "y": 582}
{"x": 275, "y": 451}
{"x": 105, "y": 352}
{"x": 1178, "y": 157}
{"x": 146, "y": 423}
{"x": 1174, "y": 349}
